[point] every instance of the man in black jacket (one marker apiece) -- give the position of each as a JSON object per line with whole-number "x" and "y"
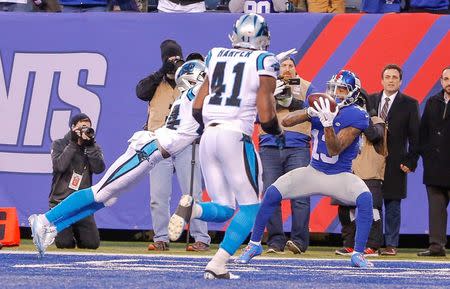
{"x": 75, "y": 158}
{"x": 401, "y": 114}
{"x": 434, "y": 144}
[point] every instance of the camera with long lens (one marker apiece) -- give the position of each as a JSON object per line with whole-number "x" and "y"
{"x": 177, "y": 62}
{"x": 88, "y": 131}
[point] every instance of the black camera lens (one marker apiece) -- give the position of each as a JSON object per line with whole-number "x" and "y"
{"x": 88, "y": 131}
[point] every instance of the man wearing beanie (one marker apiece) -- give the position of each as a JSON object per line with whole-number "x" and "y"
{"x": 160, "y": 92}
{"x": 75, "y": 158}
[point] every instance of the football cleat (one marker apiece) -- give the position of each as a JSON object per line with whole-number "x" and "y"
{"x": 249, "y": 252}
{"x": 43, "y": 236}
{"x": 358, "y": 260}
{"x": 210, "y": 275}
{"x": 180, "y": 218}
{"x": 369, "y": 252}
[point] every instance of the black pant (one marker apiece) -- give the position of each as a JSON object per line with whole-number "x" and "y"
{"x": 348, "y": 230}
{"x": 83, "y": 234}
{"x": 438, "y": 199}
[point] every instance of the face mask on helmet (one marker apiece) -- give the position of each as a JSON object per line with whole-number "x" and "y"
{"x": 250, "y": 31}
{"x": 344, "y": 87}
{"x": 190, "y": 74}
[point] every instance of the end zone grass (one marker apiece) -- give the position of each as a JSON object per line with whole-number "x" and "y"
{"x": 180, "y": 249}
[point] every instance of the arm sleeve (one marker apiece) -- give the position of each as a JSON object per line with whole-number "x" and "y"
{"x": 413, "y": 137}
{"x": 95, "y": 158}
{"x": 62, "y": 155}
{"x": 267, "y": 64}
{"x": 374, "y": 132}
{"x": 146, "y": 88}
{"x": 236, "y": 6}
{"x": 423, "y": 131}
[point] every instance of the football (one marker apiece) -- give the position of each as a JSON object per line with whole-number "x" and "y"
{"x": 315, "y": 97}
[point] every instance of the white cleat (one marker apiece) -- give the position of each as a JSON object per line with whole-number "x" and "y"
{"x": 180, "y": 218}
{"x": 43, "y": 236}
{"x": 210, "y": 275}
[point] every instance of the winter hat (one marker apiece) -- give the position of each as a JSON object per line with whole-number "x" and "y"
{"x": 76, "y": 118}
{"x": 170, "y": 48}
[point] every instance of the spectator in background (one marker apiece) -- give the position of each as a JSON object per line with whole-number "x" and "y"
{"x": 401, "y": 114}
{"x": 46, "y": 6}
{"x": 380, "y": 6}
{"x": 326, "y": 6}
{"x": 75, "y": 158}
{"x": 258, "y": 6}
{"x": 181, "y": 6}
{"x": 369, "y": 165}
{"x": 431, "y": 6}
{"x": 434, "y": 143}
{"x": 159, "y": 90}
{"x": 15, "y": 6}
{"x": 277, "y": 160}
{"x": 78, "y": 6}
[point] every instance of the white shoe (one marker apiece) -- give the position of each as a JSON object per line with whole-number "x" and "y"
{"x": 43, "y": 236}
{"x": 180, "y": 218}
{"x": 212, "y": 271}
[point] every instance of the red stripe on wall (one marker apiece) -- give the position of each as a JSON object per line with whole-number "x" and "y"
{"x": 392, "y": 40}
{"x": 326, "y": 43}
{"x": 323, "y": 215}
{"x": 424, "y": 80}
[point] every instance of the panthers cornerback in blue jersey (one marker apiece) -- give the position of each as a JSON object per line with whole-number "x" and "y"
{"x": 336, "y": 136}
{"x": 145, "y": 150}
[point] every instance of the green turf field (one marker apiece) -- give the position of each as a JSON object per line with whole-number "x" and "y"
{"x": 179, "y": 249}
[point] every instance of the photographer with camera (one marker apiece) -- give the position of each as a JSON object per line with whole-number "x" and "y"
{"x": 279, "y": 158}
{"x": 159, "y": 89}
{"x": 75, "y": 158}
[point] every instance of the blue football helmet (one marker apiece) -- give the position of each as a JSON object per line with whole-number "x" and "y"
{"x": 250, "y": 31}
{"x": 189, "y": 74}
{"x": 348, "y": 80}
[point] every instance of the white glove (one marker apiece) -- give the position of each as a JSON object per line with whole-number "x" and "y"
{"x": 280, "y": 87}
{"x": 324, "y": 113}
{"x": 286, "y": 54}
{"x": 312, "y": 112}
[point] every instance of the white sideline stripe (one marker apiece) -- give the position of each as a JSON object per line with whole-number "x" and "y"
{"x": 153, "y": 256}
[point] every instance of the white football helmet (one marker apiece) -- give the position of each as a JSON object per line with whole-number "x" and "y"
{"x": 250, "y": 31}
{"x": 189, "y": 74}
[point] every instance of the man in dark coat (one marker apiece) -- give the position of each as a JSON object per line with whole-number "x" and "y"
{"x": 75, "y": 158}
{"x": 434, "y": 144}
{"x": 401, "y": 114}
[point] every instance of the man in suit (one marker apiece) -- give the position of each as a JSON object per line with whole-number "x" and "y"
{"x": 401, "y": 114}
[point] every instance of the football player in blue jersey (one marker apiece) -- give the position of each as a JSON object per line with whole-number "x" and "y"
{"x": 145, "y": 150}
{"x": 336, "y": 139}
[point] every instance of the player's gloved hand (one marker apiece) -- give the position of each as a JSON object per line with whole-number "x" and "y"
{"x": 312, "y": 112}
{"x": 280, "y": 140}
{"x": 280, "y": 86}
{"x": 325, "y": 115}
{"x": 285, "y": 55}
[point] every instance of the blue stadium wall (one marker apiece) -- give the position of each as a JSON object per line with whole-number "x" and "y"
{"x": 53, "y": 66}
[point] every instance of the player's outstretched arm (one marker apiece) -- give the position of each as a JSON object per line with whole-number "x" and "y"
{"x": 337, "y": 143}
{"x": 265, "y": 103}
{"x": 295, "y": 117}
{"x": 198, "y": 101}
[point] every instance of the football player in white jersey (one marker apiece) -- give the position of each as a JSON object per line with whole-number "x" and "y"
{"x": 145, "y": 150}
{"x": 335, "y": 144}
{"x": 240, "y": 82}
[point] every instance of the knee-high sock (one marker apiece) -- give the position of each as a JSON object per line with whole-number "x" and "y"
{"x": 364, "y": 220}
{"x": 213, "y": 212}
{"x": 270, "y": 202}
{"x": 239, "y": 228}
{"x": 71, "y": 206}
{"x": 83, "y": 213}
